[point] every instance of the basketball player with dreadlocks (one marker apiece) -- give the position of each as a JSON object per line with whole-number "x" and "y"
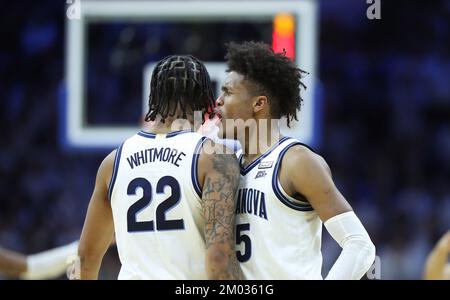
{"x": 286, "y": 190}
{"x": 169, "y": 196}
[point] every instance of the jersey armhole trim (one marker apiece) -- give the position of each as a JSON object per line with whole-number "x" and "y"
{"x": 194, "y": 166}
{"x": 276, "y": 188}
{"x": 115, "y": 170}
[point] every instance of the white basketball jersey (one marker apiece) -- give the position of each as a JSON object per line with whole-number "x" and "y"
{"x": 278, "y": 237}
{"x": 155, "y": 199}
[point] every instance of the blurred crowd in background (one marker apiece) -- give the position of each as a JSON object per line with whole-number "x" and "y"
{"x": 385, "y": 127}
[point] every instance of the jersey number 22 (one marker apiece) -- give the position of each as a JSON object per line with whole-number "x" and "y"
{"x": 161, "y": 222}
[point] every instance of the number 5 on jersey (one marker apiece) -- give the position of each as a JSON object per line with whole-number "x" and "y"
{"x": 243, "y": 238}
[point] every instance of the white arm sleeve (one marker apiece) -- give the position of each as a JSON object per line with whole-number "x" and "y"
{"x": 358, "y": 251}
{"x": 49, "y": 264}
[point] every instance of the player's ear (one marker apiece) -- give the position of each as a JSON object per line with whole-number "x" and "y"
{"x": 260, "y": 103}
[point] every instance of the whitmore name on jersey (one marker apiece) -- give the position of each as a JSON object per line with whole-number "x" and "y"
{"x": 155, "y": 154}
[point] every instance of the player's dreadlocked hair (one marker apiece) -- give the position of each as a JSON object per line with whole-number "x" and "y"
{"x": 179, "y": 80}
{"x": 271, "y": 74}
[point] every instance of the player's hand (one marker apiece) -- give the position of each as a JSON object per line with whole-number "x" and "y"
{"x": 443, "y": 246}
{"x": 437, "y": 266}
{"x": 73, "y": 270}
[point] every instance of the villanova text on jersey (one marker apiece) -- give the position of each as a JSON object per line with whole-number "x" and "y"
{"x": 251, "y": 201}
{"x": 155, "y": 154}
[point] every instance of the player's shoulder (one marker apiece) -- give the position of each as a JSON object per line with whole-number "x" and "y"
{"x": 211, "y": 147}
{"x": 106, "y": 167}
{"x": 301, "y": 156}
{"x": 214, "y": 154}
{"x": 109, "y": 159}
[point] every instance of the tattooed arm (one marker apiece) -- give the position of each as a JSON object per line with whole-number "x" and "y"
{"x": 219, "y": 178}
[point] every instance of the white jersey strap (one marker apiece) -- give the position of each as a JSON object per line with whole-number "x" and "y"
{"x": 194, "y": 167}
{"x": 248, "y": 168}
{"x": 115, "y": 170}
{"x": 278, "y": 189}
